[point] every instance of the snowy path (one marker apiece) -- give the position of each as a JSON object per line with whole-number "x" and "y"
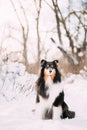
{"x": 26, "y": 124}
{"x": 19, "y": 118}
{"x": 18, "y": 115}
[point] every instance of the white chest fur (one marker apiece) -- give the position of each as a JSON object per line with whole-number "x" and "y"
{"x": 53, "y": 90}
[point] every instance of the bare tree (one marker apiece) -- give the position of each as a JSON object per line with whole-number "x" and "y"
{"x": 38, "y": 4}
{"x": 24, "y": 29}
{"x": 63, "y": 25}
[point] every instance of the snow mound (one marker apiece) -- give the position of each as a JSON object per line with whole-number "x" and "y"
{"x": 15, "y": 81}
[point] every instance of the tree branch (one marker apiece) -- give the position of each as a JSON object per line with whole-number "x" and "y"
{"x": 26, "y": 20}
{"x": 15, "y": 10}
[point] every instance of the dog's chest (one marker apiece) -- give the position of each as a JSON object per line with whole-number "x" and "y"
{"x": 52, "y": 91}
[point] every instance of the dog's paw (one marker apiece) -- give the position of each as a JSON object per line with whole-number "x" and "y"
{"x": 48, "y": 114}
{"x": 69, "y": 114}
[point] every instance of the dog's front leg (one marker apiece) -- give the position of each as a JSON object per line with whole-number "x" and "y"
{"x": 44, "y": 109}
{"x": 40, "y": 110}
{"x": 57, "y": 112}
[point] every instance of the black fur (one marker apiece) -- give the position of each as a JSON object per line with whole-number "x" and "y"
{"x": 66, "y": 112}
{"x": 41, "y": 90}
{"x": 59, "y": 100}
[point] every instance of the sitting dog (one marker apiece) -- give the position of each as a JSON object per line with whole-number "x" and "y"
{"x": 50, "y": 95}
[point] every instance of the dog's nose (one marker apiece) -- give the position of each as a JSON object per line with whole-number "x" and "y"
{"x": 50, "y": 71}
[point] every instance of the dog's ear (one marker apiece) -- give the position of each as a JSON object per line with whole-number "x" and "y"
{"x": 56, "y": 62}
{"x": 43, "y": 62}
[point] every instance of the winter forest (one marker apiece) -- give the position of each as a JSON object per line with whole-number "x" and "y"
{"x": 32, "y": 30}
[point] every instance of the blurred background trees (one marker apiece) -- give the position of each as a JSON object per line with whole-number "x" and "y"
{"x": 74, "y": 27}
{"x": 36, "y": 29}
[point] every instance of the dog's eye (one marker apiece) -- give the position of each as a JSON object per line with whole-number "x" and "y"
{"x": 52, "y": 66}
{"x": 47, "y": 66}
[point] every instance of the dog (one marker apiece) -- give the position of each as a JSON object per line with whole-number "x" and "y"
{"x": 50, "y": 95}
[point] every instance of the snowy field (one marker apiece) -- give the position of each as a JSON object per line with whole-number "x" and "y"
{"x": 17, "y": 101}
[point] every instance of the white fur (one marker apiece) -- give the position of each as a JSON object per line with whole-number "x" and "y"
{"x": 53, "y": 91}
{"x": 57, "y": 112}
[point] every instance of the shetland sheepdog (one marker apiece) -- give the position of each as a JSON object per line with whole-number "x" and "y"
{"x": 50, "y": 95}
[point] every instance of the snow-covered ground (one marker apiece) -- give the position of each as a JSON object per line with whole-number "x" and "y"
{"x": 17, "y": 101}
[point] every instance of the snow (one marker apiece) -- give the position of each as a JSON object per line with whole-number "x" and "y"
{"x": 17, "y": 101}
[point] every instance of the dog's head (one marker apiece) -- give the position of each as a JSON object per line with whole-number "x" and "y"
{"x": 50, "y": 69}
{"x": 49, "y": 74}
